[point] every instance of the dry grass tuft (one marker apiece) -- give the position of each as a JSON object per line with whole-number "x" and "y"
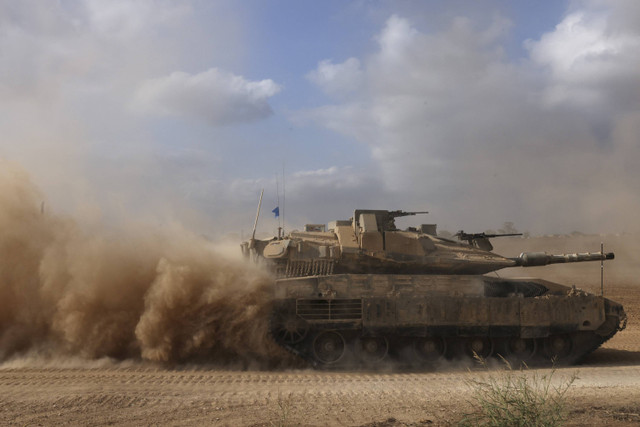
{"x": 283, "y": 411}
{"x": 517, "y": 398}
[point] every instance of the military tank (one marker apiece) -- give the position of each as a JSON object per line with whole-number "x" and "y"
{"x": 361, "y": 292}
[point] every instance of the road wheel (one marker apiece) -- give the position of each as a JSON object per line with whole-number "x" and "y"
{"x": 480, "y": 346}
{"x": 558, "y": 347}
{"x": 328, "y": 347}
{"x": 429, "y": 349}
{"x": 372, "y": 349}
{"x": 519, "y": 349}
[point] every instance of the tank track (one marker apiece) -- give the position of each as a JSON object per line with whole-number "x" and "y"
{"x": 621, "y": 325}
{"x": 399, "y": 353}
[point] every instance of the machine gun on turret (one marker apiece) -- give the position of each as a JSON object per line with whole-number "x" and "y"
{"x": 481, "y": 240}
{"x": 397, "y": 214}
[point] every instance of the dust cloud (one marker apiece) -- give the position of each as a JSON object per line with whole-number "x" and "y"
{"x": 131, "y": 293}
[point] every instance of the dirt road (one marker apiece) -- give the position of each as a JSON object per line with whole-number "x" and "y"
{"x": 604, "y": 392}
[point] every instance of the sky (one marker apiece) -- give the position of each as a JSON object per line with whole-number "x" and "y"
{"x": 479, "y": 112}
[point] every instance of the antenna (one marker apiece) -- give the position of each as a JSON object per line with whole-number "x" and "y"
{"x": 255, "y": 224}
{"x": 283, "y": 198}
{"x": 601, "y": 270}
{"x": 278, "y": 196}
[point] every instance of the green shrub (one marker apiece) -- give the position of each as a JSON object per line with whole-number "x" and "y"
{"x": 517, "y": 398}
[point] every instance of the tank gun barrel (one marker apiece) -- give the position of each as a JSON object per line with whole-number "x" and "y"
{"x": 534, "y": 259}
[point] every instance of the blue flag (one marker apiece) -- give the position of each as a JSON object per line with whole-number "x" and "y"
{"x": 276, "y": 211}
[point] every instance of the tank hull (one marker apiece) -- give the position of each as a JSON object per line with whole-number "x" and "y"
{"x": 367, "y": 320}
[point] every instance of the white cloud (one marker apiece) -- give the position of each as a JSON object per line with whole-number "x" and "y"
{"x": 444, "y": 118}
{"x": 214, "y": 96}
{"x": 61, "y": 48}
{"x": 67, "y": 74}
{"x": 318, "y": 172}
{"x": 125, "y": 20}
{"x": 396, "y": 38}
{"x": 448, "y": 117}
{"x": 424, "y": 92}
{"x": 337, "y": 79}
{"x": 587, "y": 55}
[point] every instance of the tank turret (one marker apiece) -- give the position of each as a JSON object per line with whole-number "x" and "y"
{"x": 370, "y": 242}
{"x": 361, "y": 292}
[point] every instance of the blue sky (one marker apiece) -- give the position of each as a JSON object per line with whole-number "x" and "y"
{"x": 180, "y": 112}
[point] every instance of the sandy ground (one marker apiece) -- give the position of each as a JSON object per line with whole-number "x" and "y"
{"x": 606, "y": 390}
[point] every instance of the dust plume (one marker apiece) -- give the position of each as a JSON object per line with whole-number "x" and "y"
{"x": 128, "y": 293}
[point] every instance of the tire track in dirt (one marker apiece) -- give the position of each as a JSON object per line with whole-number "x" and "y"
{"x": 114, "y": 395}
